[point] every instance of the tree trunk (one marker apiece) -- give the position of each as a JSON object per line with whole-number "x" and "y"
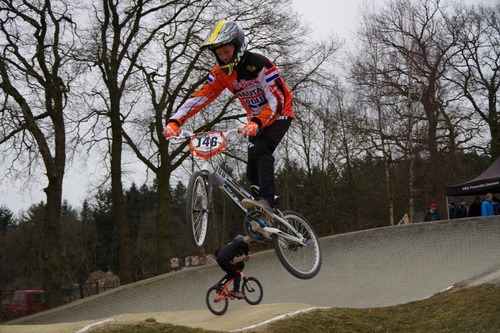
{"x": 51, "y": 242}
{"x": 55, "y": 166}
{"x": 164, "y": 201}
{"x": 125, "y": 251}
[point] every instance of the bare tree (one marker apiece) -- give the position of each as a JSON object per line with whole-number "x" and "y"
{"x": 477, "y": 70}
{"x": 416, "y": 52}
{"x": 387, "y": 126}
{"x": 310, "y": 143}
{"x": 123, "y": 32}
{"x": 37, "y": 41}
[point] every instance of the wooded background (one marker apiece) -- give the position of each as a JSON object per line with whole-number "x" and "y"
{"x": 384, "y": 123}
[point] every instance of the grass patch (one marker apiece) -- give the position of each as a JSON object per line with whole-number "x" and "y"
{"x": 146, "y": 326}
{"x": 473, "y": 309}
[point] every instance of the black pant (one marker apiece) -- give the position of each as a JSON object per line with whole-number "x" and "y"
{"x": 232, "y": 270}
{"x": 260, "y": 167}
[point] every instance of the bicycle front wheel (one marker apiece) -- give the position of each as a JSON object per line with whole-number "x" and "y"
{"x": 252, "y": 289}
{"x": 197, "y": 208}
{"x": 217, "y": 301}
{"x": 301, "y": 260}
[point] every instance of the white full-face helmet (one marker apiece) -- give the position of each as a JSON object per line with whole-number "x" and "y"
{"x": 224, "y": 33}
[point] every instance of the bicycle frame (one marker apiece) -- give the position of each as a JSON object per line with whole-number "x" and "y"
{"x": 216, "y": 176}
{"x": 225, "y": 292}
{"x": 218, "y": 296}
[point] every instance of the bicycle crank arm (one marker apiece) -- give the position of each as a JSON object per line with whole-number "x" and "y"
{"x": 300, "y": 240}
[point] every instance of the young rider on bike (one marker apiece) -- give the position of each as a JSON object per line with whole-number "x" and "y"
{"x": 225, "y": 256}
{"x": 255, "y": 81}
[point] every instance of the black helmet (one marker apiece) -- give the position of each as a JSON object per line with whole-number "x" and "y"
{"x": 239, "y": 238}
{"x": 224, "y": 33}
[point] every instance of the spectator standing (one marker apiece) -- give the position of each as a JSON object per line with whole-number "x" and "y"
{"x": 461, "y": 210}
{"x": 432, "y": 214}
{"x": 496, "y": 205}
{"x": 452, "y": 210}
{"x": 475, "y": 207}
{"x": 487, "y": 206}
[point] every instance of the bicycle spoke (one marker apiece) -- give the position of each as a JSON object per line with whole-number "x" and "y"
{"x": 302, "y": 261}
{"x": 252, "y": 289}
{"x": 216, "y": 301}
{"x": 197, "y": 208}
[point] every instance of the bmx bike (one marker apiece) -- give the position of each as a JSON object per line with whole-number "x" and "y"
{"x": 294, "y": 239}
{"x": 218, "y": 296}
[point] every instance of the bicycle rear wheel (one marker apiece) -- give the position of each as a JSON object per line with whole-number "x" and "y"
{"x": 252, "y": 289}
{"x": 217, "y": 303}
{"x": 301, "y": 260}
{"x": 197, "y": 208}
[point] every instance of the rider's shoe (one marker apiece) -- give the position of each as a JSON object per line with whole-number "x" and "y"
{"x": 259, "y": 206}
{"x": 238, "y": 295}
{"x": 255, "y": 191}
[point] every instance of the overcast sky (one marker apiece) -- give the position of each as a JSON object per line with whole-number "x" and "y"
{"x": 325, "y": 17}
{"x": 342, "y": 17}
{"x": 331, "y": 16}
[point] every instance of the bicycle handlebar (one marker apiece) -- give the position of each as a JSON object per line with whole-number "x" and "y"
{"x": 187, "y": 133}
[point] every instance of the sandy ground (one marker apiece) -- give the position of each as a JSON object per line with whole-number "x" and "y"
{"x": 240, "y": 318}
{"x": 373, "y": 268}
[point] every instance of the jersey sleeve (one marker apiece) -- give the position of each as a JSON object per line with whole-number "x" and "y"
{"x": 210, "y": 90}
{"x": 276, "y": 92}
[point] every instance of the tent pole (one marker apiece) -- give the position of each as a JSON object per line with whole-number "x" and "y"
{"x": 447, "y": 210}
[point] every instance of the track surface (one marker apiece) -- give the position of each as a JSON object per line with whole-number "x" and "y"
{"x": 374, "y": 268}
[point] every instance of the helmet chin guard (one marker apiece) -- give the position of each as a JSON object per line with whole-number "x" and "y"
{"x": 228, "y": 68}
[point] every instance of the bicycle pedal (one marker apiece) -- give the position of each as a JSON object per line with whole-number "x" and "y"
{"x": 255, "y": 210}
{"x": 259, "y": 214}
{"x": 255, "y": 226}
{"x": 259, "y": 224}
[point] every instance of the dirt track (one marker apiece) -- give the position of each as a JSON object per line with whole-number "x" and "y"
{"x": 374, "y": 268}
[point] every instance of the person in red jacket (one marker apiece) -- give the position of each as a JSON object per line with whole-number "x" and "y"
{"x": 256, "y": 82}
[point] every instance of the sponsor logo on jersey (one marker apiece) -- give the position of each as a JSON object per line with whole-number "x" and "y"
{"x": 242, "y": 84}
{"x": 256, "y": 103}
{"x": 254, "y": 97}
{"x": 250, "y": 92}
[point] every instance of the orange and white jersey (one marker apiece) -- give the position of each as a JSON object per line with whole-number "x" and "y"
{"x": 256, "y": 83}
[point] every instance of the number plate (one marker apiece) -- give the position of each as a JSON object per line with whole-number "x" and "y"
{"x": 207, "y": 144}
